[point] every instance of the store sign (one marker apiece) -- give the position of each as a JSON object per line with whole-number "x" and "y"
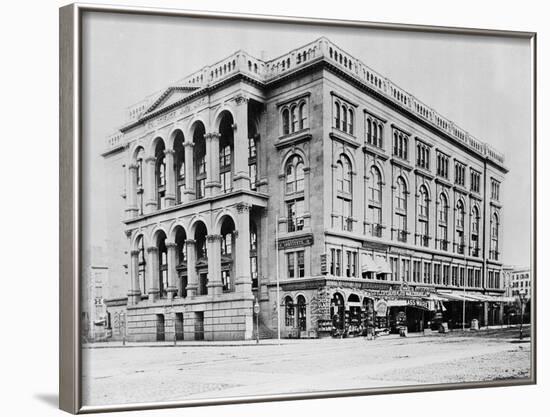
{"x": 419, "y": 303}
{"x": 296, "y": 242}
{"x": 381, "y": 308}
{"x": 324, "y": 264}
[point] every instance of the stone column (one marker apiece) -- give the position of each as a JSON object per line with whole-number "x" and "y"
{"x": 213, "y": 247}
{"x": 134, "y": 295}
{"x": 132, "y": 209}
{"x": 172, "y": 289}
{"x": 213, "y": 184}
{"x": 189, "y": 193}
{"x": 241, "y": 179}
{"x": 150, "y": 186}
{"x": 153, "y": 273}
{"x": 170, "y": 196}
{"x": 243, "y": 281}
{"x": 192, "y": 278}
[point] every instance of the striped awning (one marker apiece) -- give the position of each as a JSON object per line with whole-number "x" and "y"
{"x": 368, "y": 264}
{"x": 383, "y": 266}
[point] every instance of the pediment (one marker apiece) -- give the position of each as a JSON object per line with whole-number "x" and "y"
{"x": 168, "y": 97}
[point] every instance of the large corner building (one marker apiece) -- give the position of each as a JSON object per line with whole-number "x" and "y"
{"x": 370, "y": 207}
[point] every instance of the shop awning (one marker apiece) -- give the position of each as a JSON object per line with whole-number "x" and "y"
{"x": 383, "y": 266}
{"x": 368, "y": 264}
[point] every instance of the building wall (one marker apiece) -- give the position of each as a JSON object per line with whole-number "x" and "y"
{"x": 319, "y": 144}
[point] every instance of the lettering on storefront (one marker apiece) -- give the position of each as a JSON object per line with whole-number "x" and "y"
{"x": 381, "y": 308}
{"x": 324, "y": 270}
{"x": 373, "y": 245}
{"x": 296, "y": 242}
{"x": 419, "y": 303}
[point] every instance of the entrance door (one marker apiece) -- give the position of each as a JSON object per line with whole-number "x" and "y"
{"x": 179, "y": 326}
{"x": 199, "y": 325}
{"x": 203, "y": 281}
{"x": 160, "y": 327}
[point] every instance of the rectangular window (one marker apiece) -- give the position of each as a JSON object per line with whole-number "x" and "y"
{"x": 460, "y": 172}
{"x": 454, "y": 277}
{"x": 394, "y": 264}
{"x": 475, "y": 180}
{"x": 338, "y": 269}
{"x": 400, "y": 144}
{"x": 295, "y": 215}
{"x": 462, "y": 273}
{"x": 470, "y": 277}
{"x": 301, "y": 263}
{"x": 477, "y": 278}
{"x": 427, "y": 273}
{"x": 446, "y": 274}
{"x": 437, "y": 274}
{"x": 290, "y": 265}
{"x": 442, "y": 165}
{"x": 422, "y": 155}
{"x": 405, "y": 270}
{"x": 416, "y": 271}
{"x": 495, "y": 189}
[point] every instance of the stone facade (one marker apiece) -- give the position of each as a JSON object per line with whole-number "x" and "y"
{"x": 310, "y": 168}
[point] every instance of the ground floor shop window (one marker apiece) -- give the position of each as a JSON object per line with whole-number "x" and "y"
{"x": 289, "y": 312}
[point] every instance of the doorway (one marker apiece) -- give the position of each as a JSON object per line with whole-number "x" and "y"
{"x": 199, "y": 325}
{"x": 160, "y": 328}
{"x": 179, "y": 326}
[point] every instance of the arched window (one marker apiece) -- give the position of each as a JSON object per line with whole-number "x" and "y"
{"x": 337, "y": 115}
{"x": 474, "y": 233}
{"x": 375, "y": 202}
{"x": 344, "y": 193}
{"x": 344, "y": 118}
{"x": 460, "y": 227}
{"x": 370, "y": 137}
{"x": 139, "y": 179}
{"x": 442, "y": 220}
{"x": 286, "y": 121}
{"x": 179, "y": 166}
{"x": 160, "y": 174}
{"x": 142, "y": 276}
{"x": 199, "y": 157}
{"x": 401, "y": 210}
{"x": 493, "y": 252}
{"x": 162, "y": 264}
{"x": 289, "y": 312}
{"x": 303, "y": 116}
{"x": 294, "y": 197}
{"x": 294, "y": 175}
{"x": 254, "y": 254}
{"x": 227, "y": 254}
{"x": 350, "y": 121}
{"x": 423, "y": 216}
{"x": 293, "y": 119}
{"x": 302, "y": 313}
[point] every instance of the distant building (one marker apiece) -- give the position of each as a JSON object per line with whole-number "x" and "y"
{"x": 519, "y": 281}
{"x": 95, "y": 323}
{"x": 369, "y": 206}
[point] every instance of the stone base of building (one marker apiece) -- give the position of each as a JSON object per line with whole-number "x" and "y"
{"x": 225, "y": 317}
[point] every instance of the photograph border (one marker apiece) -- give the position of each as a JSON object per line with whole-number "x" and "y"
{"x": 70, "y": 209}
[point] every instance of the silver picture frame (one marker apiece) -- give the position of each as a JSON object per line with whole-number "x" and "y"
{"x": 70, "y": 215}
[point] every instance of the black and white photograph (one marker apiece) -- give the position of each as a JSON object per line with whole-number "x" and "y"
{"x": 285, "y": 208}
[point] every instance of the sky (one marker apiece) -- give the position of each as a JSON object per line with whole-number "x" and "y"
{"x": 482, "y": 84}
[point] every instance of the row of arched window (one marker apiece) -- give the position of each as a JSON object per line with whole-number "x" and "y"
{"x": 294, "y": 118}
{"x": 344, "y": 117}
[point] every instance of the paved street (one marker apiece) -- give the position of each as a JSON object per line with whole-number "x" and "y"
{"x": 115, "y": 375}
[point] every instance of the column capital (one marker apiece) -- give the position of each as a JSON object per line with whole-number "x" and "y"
{"x": 241, "y": 99}
{"x": 213, "y": 238}
{"x": 190, "y": 241}
{"x": 134, "y": 252}
{"x": 133, "y": 166}
{"x": 152, "y": 249}
{"x": 150, "y": 159}
{"x": 243, "y": 207}
{"x": 171, "y": 245}
{"x": 169, "y": 152}
{"x": 188, "y": 143}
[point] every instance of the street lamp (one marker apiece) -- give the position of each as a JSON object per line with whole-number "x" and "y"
{"x": 257, "y": 312}
{"x": 522, "y": 294}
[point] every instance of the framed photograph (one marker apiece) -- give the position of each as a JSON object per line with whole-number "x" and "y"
{"x": 258, "y": 208}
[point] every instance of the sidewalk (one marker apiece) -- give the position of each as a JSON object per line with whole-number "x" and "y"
{"x": 274, "y": 342}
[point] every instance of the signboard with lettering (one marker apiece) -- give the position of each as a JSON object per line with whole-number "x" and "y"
{"x": 381, "y": 308}
{"x": 296, "y": 242}
{"x": 324, "y": 270}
